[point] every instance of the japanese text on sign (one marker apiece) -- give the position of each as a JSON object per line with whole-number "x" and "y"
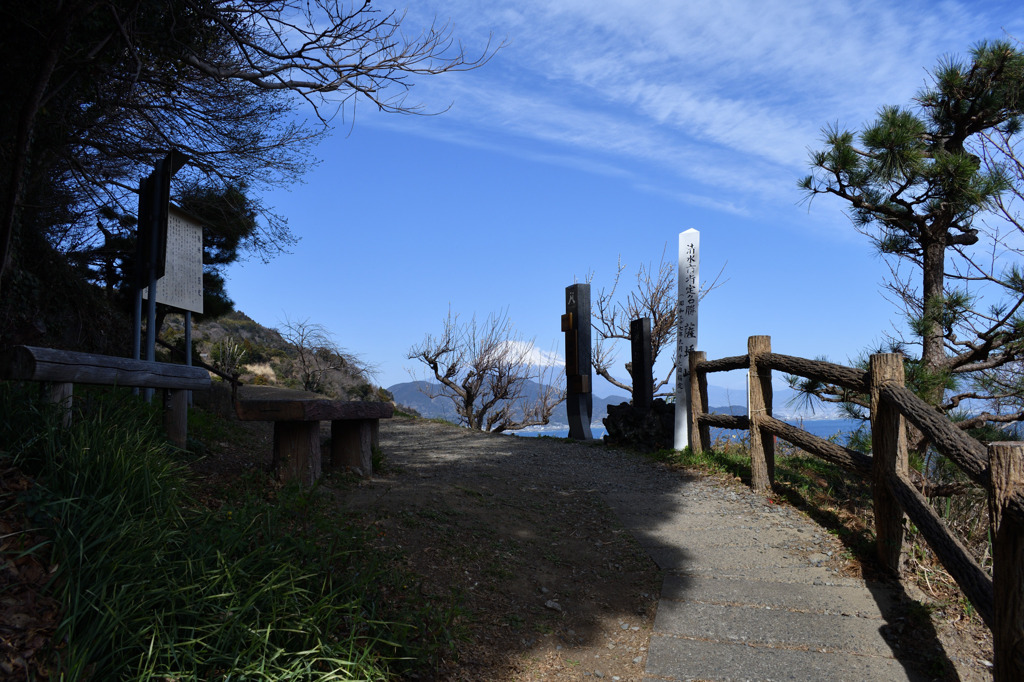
{"x": 182, "y": 284}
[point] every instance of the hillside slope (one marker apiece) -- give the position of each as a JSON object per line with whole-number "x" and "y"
{"x": 238, "y": 345}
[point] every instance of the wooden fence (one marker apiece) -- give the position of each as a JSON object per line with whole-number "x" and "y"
{"x": 998, "y": 468}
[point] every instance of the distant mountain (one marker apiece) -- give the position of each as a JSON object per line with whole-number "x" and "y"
{"x": 734, "y": 410}
{"x": 786, "y": 404}
{"x": 724, "y": 401}
{"x": 413, "y": 394}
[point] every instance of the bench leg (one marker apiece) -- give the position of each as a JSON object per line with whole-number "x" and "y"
{"x": 297, "y": 451}
{"x": 62, "y": 395}
{"x": 352, "y": 443}
{"x": 176, "y": 417}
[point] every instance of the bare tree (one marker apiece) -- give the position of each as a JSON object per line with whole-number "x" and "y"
{"x": 97, "y": 90}
{"x": 318, "y": 354}
{"x": 655, "y": 296}
{"x": 488, "y": 373}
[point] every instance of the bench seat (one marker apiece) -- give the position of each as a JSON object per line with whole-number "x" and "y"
{"x": 297, "y": 416}
{"x": 62, "y": 369}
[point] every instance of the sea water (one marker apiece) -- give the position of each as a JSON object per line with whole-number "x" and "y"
{"x": 823, "y": 428}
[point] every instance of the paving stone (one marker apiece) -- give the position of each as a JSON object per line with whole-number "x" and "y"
{"x": 671, "y": 659}
{"x": 865, "y": 601}
{"x": 775, "y": 626}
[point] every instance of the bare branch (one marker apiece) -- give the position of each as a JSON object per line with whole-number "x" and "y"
{"x": 318, "y": 354}
{"x": 654, "y": 296}
{"x": 487, "y": 372}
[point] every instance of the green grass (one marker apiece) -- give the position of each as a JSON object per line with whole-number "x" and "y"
{"x": 156, "y": 586}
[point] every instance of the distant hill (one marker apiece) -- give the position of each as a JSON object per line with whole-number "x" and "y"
{"x": 723, "y": 401}
{"x": 729, "y": 409}
{"x": 411, "y": 394}
{"x": 786, "y": 404}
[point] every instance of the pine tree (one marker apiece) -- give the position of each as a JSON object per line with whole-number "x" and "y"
{"x": 921, "y": 183}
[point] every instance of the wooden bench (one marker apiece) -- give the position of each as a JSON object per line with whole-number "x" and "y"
{"x": 297, "y": 416}
{"x": 63, "y": 369}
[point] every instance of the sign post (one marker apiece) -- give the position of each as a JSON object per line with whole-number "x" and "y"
{"x": 686, "y": 330}
{"x": 579, "y": 400}
{"x": 151, "y": 247}
{"x": 641, "y": 368}
{"x": 181, "y": 285}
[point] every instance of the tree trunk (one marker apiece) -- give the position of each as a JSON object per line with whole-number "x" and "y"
{"x": 13, "y": 190}
{"x": 933, "y": 352}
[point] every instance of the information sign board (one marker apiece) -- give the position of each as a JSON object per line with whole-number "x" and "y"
{"x": 181, "y": 286}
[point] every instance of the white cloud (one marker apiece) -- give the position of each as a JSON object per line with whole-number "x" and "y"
{"x": 728, "y": 94}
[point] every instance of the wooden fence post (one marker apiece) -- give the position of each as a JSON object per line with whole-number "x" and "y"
{"x": 700, "y": 434}
{"x": 1006, "y": 465}
{"x": 641, "y": 368}
{"x": 889, "y": 454}
{"x": 176, "y": 416}
{"x": 62, "y": 394}
{"x": 759, "y": 404}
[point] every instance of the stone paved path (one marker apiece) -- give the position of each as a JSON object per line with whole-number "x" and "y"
{"x": 749, "y": 593}
{"x": 746, "y": 595}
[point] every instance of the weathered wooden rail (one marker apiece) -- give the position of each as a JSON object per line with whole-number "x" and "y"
{"x": 62, "y": 369}
{"x": 998, "y": 468}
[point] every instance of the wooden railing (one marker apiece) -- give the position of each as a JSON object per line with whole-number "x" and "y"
{"x": 998, "y": 468}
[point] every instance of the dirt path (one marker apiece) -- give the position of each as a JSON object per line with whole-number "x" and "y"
{"x": 553, "y": 586}
{"x": 560, "y": 550}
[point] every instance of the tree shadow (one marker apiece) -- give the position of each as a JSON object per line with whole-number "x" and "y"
{"x": 536, "y": 534}
{"x": 909, "y": 630}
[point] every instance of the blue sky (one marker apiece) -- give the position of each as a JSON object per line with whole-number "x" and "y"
{"x": 602, "y": 130}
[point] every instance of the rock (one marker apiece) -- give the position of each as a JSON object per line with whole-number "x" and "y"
{"x": 553, "y": 605}
{"x": 648, "y": 431}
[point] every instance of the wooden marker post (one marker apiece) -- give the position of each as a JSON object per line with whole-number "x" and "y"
{"x": 579, "y": 400}
{"x": 642, "y": 367}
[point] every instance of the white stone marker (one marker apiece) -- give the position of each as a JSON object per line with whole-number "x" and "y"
{"x": 686, "y": 329}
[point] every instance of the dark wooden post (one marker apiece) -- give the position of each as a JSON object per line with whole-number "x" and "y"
{"x": 888, "y": 454}
{"x": 579, "y": 400}
{"x": 352, "y": 443}
{"x": 700, "y": 434}
{"x": 641, "y": 368}
{"x": 1006, "y": 465}
{"x": 759, "y": 404}
{"x": 297, "y": 451}
{"x": 176, "y": 416}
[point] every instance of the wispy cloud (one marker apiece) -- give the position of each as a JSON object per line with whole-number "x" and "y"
{"x": 727, "y": 96}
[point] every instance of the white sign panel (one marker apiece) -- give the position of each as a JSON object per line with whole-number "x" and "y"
{"x": 182, "y": 284}
{"x": 686, "y": 330}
